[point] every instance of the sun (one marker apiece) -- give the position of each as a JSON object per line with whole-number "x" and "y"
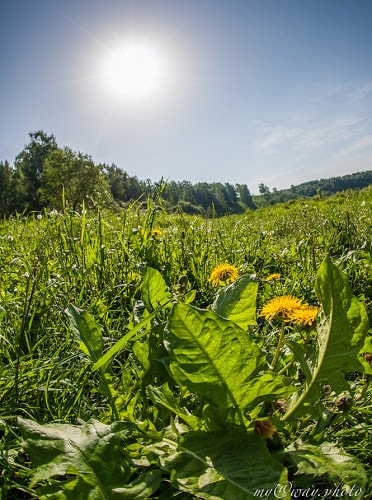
{"x": 135, "y": 71}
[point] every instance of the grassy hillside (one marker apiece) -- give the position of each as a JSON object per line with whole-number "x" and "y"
{"x": 321, "y": 188}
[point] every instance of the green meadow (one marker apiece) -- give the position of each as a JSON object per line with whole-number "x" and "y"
{"x": 131, "y": 366}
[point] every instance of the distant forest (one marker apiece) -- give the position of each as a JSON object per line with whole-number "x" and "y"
{"x": 45, "y": 176}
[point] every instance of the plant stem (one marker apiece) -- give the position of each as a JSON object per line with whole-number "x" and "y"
{"x": 288, "y": 365}
{"x": 278, "y": 347}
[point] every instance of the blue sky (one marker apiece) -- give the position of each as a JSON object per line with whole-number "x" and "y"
{"x": 272, "y": 91}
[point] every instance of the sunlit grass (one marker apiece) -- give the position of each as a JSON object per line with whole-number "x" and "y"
{"x": 97, "y": 261}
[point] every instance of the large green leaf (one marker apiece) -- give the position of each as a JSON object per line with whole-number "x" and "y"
{"x": 237, "y": 302}
{"x": 88, "y": 331}
{"x": 327, "y": 459}
{"x": 226, "y": 465}
{"x": 141, "y": 488}
{"x": 216, "y": 358}
{"x": 341, "y": 337}
{"x": 91, "y": 454}
{"x": 154, "y": 290}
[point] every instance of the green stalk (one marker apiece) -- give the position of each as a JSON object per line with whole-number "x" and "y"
{"x": 288, "y": 365}
{"x": 278, "y": 347}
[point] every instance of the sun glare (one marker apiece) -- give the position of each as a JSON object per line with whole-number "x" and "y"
{"x": 135, "y": 72}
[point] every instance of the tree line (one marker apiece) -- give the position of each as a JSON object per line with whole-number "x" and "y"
{"x": 47, "y": 176}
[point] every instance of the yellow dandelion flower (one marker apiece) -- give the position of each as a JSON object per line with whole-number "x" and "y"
{"x": 281, "y": 306}
{"x": 264, "y": 428}
{"x": 156, "y": 232}
{"x": 274, "y": 276}
{"x": 305, "y": 315}
{"x": 223, "y": 274}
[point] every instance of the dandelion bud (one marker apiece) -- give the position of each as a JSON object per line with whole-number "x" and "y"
{"x": 264, "y": 428}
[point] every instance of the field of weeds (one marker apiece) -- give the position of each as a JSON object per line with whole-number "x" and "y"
{"x": 148, "y": 355}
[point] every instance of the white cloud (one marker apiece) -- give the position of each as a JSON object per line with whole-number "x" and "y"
{"x": 278, "y": 134}
{"x": 325, "y": 117}
{"x": 318, "y": 137}
{"x": 305, "y": 137}
{"x": 361, "y": 93}
{"x": 356, "y": 146}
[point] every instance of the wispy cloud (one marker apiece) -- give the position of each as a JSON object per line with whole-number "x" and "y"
{"x": 338, "y": 121}
{"x": 276, "y": 135}
{"x": 356, "y": 146}
{"x": 323, "y": 134}
{"x": 362, "y": 92}
{"x": 301, "y": 138}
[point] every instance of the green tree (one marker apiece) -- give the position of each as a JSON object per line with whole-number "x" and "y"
{"x": 188, "y": 192}
{"x": 171, "y": 193}
{"x": 76, "y": 176}
{"x": 29, "y": 167}
{"x": 117, "y": 182}
{"x": 6, "y": 188}
{"x": 123, "y": 187}
{"x": 203, "y": 195}
{"x": 245, "y": 196}
{"x": 263, "y": 189}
